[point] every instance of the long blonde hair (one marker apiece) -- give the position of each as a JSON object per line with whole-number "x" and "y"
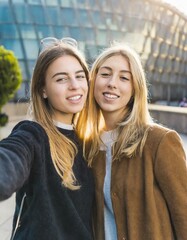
{"x": 133, "y": 129}
{"x": 63, "y": 150}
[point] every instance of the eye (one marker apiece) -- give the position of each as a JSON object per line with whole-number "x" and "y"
{"x": 123, "y": 78}
{"x": 81, "y": 76}
{"x": 105, "y": 75}
{"x": 62, "y": 79}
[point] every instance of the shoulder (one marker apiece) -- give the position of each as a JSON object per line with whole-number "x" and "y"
{"x": 157, "y": 132}
{"x": 162, "y": 137}
{"x": 28, "y": 127}
{"x": 163, "y": 146}
{"x": 27, "y": 124}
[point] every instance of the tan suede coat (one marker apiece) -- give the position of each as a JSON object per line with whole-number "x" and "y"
{"x": 149, "y": 193}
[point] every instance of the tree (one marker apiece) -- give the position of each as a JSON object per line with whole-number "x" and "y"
{"x": 10, "y": 79}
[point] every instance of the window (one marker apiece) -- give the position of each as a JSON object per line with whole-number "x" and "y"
{"x": 35, "y": 2}
{"x": 14, "y": 45}
{"x": 27, "y": 31}
{"x": 89, "y": 35}
{"x": 8, "y": 31}
{"x": 84, "y": 18}
{"x": 65, "y": 3}
{"x": 31, "y": 48}
{"x": 54, "y": 15}
{"x": 23, "y": 69}
{"x": 69, "y": 16}
{"x": 101, "y": 37}
{"x": 38, "y": 14}
{"x": 97, "y": 19}
{"x": 44, "y": 31}
{"x": 22, "y": 13}
{"x": 51, "y": 3}
{"x": 5, "y": 13}
{"x": 75, "y": 33}
{"x": 18, "y": 1}
{"x": 61, "y": 31}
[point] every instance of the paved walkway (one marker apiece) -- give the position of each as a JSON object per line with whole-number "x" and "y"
{"x": 7, "y": 207}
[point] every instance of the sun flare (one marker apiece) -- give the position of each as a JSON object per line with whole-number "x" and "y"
{"x": 180, "y": 4}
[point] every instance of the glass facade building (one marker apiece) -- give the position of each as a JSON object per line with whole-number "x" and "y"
{"x": 155, "y": 29}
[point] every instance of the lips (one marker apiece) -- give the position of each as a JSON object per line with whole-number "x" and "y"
{"x": 110, "y": 95}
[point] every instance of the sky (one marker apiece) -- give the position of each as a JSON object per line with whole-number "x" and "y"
{"x": 180, "y": 4}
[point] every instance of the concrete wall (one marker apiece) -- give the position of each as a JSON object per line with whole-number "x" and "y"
{"x": 15, "y": 111}
{"x": 172, "y": 117}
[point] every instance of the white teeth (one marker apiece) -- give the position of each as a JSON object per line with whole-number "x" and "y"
{"x": 75, "y": 97}
{"x": 110, "y": 96}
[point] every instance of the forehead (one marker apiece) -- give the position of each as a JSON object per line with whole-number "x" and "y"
{"x": 116, "y": 62}
{"x": 66, "y": 63}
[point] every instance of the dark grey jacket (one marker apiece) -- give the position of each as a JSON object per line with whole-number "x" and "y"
{"x": 50, "y": 211}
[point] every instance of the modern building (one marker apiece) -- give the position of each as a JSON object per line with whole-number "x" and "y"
{"x": 155, "y": 29}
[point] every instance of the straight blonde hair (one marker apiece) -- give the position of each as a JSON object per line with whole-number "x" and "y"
{"x": 63, "y": 150}
{"x": 133, "y": 129}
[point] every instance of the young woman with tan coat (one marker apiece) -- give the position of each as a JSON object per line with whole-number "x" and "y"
{"x": 139, "y": 167}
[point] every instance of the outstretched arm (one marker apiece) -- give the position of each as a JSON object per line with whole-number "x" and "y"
{"x": 16, "y": 156}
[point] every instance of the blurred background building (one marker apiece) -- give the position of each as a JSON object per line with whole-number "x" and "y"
{"x": 154, "y": 28}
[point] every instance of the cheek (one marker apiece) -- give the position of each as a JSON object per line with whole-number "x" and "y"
{"x": 57, "y": 91}
{"x": 95, "y": 92}
{"x": 85, "y": 87}
{"x": 97, "y": 86}
{"x": 55, "y": 94}
{"x": 127, "y": 92}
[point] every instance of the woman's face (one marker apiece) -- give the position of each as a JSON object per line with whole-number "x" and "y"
{"x": 65, "y": 88}
{"x": 113, "y": 87}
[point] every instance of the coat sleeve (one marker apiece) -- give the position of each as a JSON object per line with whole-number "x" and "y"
{"x": 16, "y": 156}
{"x": 171, "y": 174}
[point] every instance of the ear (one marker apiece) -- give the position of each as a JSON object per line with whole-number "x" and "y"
{"x": 44, "y": 93}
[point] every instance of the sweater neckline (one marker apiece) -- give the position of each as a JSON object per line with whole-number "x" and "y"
{"x": 63, "y": 125}
{"x": 108, "y": 138}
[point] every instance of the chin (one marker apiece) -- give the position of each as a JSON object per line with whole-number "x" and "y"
{"x": 76, "y": 110}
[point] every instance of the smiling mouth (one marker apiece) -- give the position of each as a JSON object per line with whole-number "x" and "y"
{"x": 110, "y": 96}
{"x": 75, "y": 98}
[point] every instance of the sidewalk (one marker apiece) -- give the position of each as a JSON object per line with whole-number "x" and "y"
{"x": 7, "y": 207}
{"x": 6, "y": 216}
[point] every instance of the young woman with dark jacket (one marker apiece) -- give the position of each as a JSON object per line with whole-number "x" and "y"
{"x": 41, "y": 160}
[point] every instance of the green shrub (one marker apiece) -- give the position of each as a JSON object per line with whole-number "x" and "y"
{"x": 10, "y": 76}
{"x": 3, "y": 119}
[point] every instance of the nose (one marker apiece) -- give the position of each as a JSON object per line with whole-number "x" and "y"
{"x": 112, "y": 81}
{"x": 74, "y": 83}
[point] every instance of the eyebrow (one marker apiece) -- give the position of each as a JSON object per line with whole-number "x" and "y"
{"x": 65, "y": 73}
{"x": 123, "y": 71}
